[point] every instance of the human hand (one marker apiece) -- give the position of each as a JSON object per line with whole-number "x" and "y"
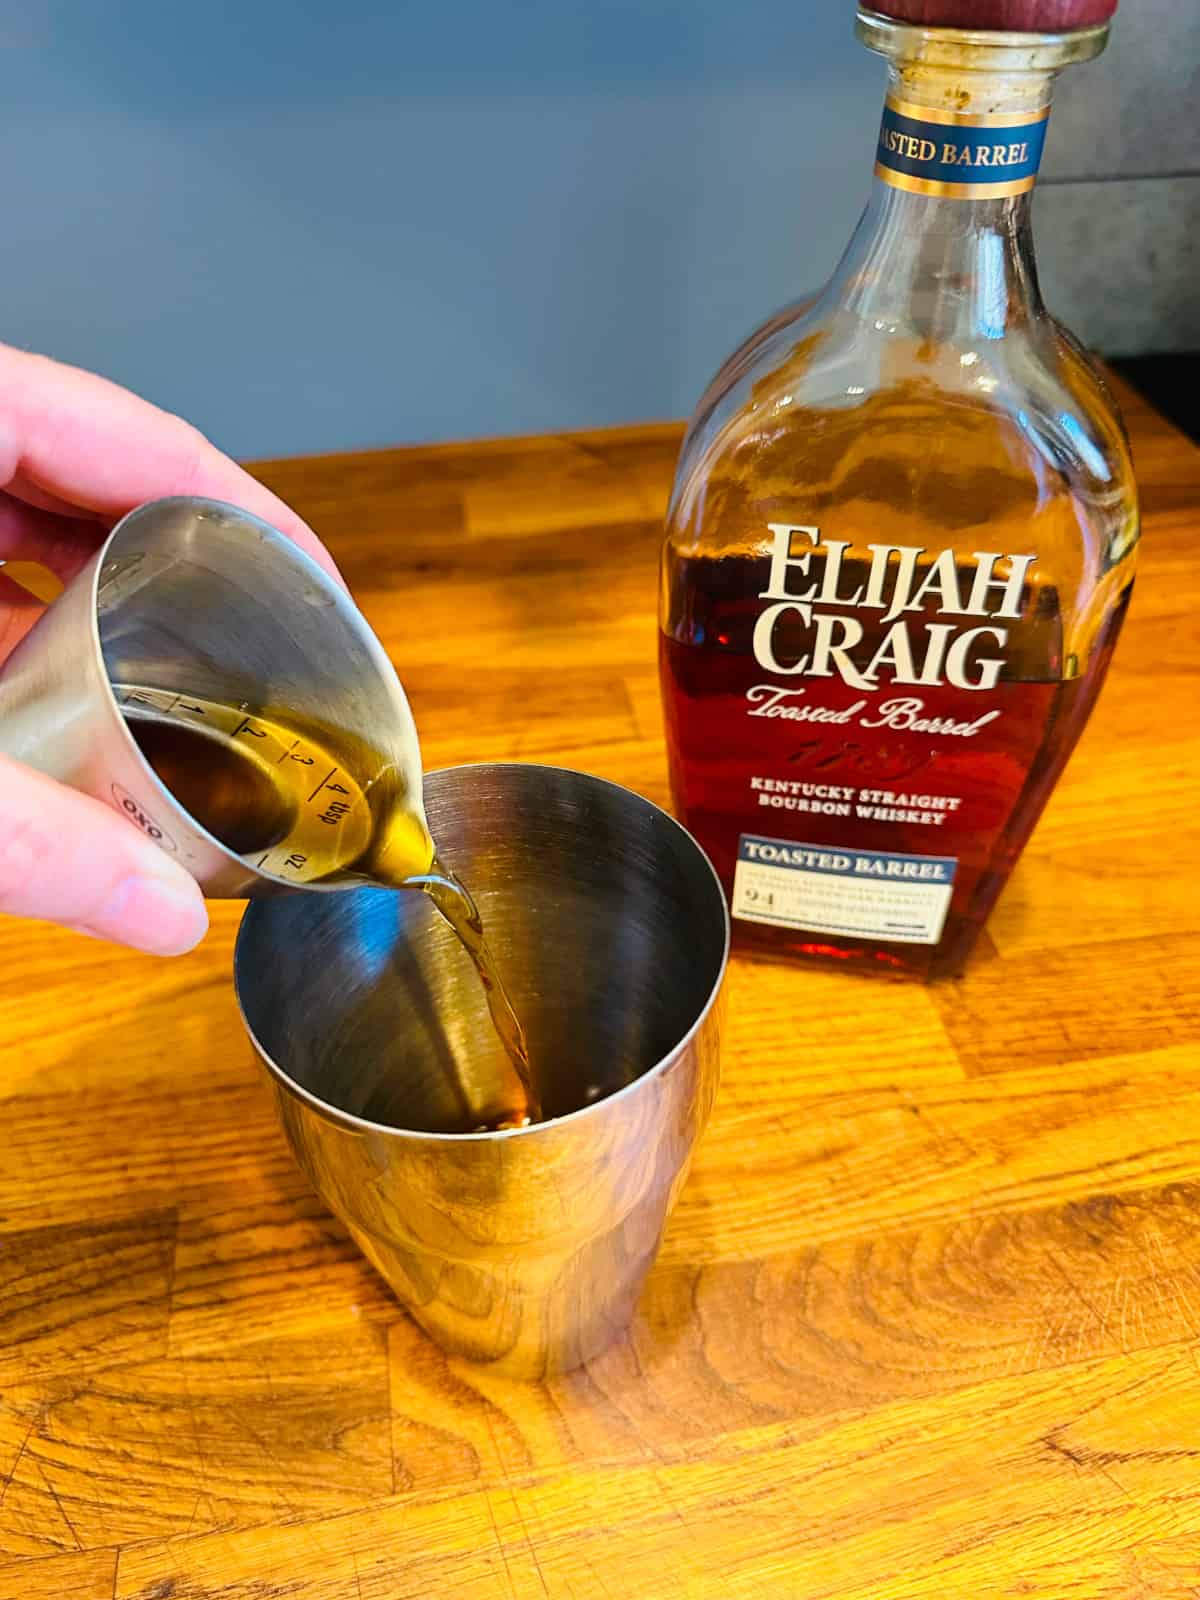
{"x": 76, "y": 454}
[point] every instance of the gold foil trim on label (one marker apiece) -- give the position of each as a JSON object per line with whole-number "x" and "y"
{"x": 966, "y": 119}
{"x": 953, "y": 191}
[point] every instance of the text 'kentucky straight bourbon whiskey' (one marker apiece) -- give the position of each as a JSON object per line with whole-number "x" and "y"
{"x": 901, "y": 539}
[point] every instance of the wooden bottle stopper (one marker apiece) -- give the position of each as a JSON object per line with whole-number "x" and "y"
{"x": 1015, "y": 16}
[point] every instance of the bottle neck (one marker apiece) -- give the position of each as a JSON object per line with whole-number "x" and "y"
{"x": 945, "y": 246}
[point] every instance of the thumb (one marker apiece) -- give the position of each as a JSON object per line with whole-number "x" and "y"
{"x": 68, "y": 858}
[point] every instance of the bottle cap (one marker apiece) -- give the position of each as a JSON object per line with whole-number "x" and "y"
{"x": 1013, "y": 16}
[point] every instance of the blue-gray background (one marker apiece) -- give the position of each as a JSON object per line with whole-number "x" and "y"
{"x": 312, "y": 227}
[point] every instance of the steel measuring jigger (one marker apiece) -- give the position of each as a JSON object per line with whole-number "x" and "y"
{"x": 194, "y": 597}
{"x": 523, "y": 1248}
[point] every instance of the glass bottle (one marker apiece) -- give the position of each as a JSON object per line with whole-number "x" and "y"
{"x": 900, "y": 542}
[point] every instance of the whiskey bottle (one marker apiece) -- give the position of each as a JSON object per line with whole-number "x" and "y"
{"x": 901, "y": 538}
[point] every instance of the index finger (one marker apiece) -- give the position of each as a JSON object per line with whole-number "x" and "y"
{"x": 80, "y": 439}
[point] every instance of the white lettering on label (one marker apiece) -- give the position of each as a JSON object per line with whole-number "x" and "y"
{"x": 896, "y": 585}
{"x": 767, "y": 700}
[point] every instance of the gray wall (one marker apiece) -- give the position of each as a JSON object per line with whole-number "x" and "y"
{"x": 311, "y": 227}
{"x": 1117, "y": 211}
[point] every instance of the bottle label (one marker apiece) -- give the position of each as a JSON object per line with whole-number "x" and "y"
{"x": 859, "y": 894}
{"x": 959, "y": 155}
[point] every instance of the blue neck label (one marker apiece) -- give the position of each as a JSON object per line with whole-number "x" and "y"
{"x": 957, "y": 155}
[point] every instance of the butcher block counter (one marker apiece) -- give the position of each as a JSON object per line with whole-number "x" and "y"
{"x": 926, "y": 1322}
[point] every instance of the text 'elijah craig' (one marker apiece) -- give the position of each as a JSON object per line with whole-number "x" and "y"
{"x": 900, "y": 544}
{"x": 941, "y": 652}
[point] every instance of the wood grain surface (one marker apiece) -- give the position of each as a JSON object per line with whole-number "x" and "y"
{"x": 926, "y": 1322}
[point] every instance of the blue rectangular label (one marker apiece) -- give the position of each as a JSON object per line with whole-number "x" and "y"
{"x": 879, "y": 864}
{"x": 958, "y": 157}
{"x": 862, "y": 894}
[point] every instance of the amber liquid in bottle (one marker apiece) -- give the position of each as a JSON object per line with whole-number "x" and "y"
{"x": 899, "y": 551}
{"x": 892, "y": 790}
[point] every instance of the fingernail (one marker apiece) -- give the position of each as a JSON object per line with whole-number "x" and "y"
{"x": 152, "y": 914}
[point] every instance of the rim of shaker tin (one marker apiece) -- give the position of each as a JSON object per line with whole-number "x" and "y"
{"x": 313, "y": 569}
{"x": 348, "y": 1119}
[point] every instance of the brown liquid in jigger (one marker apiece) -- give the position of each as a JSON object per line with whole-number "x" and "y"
{"x": 289, "y": 806}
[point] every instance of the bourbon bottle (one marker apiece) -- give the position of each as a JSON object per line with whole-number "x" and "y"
{"x": 901, "y": 538}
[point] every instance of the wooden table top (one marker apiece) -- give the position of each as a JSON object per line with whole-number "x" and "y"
{"x": 926, "y": 1321}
